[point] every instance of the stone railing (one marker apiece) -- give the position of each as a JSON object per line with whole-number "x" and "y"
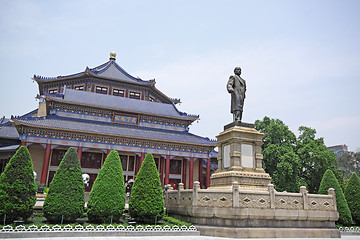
{"x": 235, "y": 197}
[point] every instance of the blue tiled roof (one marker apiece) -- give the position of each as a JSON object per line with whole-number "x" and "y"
{"x": 56, "y": 122}
{"x": 121, "y": 104}
{"x": 109, "y": 69}
{"x": 8, "y": 131}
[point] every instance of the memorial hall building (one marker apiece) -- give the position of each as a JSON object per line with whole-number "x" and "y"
{"x": 102, "y": 109}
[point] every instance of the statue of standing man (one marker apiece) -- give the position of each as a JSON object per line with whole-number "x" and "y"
{"x": 236, "y": 86}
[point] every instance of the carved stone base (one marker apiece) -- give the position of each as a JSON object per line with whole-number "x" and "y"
{"x": 246, "y": 179}
{"x": 240, "y": 158}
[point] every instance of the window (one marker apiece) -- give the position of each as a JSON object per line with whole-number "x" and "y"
{"x": 175, "y": 166}
{"x": 157, "y": 162}
{"x": 128, "y": 162}
{"x": 102, "y": 90}
{"x": 135, "y": 95}
{"x": 57, "y": 156}
{"x": 52, "y": 91}
{"x": 91, "y": 160}
{"x": 128, "y": 165}
{"x": 118, "y": 92}
{"x": 80, "y": 88}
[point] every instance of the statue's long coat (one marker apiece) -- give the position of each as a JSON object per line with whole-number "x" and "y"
{"x": 237, "y": 87}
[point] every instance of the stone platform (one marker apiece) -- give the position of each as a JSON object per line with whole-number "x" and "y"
{"x": 242, "y": 203}
{"x": 255, "y": 213}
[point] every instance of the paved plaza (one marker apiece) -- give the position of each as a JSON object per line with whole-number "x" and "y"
{"x": 354, "y": 237}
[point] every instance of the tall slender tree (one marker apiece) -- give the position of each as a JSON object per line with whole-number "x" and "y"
{"x": 352, "y": 195}
{"x": 65, "y": 200}
{"x": 107, "y": 197}
{"x": 146, "y": 200}
{"x": 17, "y": 187}
{"x": 329, "y": 181}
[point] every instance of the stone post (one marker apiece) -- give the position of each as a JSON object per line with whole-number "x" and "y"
{"x": 236, "y": 196}
{"x": 180, "y": 188}
{"x": 167, "y": 198}
{"x": 331, "y": 192}
{"x": 219, "y": 158}
{"x": 195, "y": 192}
{"x": 272, "y": 195}
{"x": 303, "y": 191}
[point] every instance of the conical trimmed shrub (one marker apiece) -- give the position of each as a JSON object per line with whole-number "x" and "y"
{"x": 146, "y": 199}
{"x": 352, "y": 195}
{"x": 329, "y": 181}
{"x": 65, "y": 200}
{"x": 107, "y": 197}
{"x": 17, "y": 187}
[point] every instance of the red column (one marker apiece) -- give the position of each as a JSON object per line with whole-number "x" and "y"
{"x": 191, "y": 173}
{"x": 184, "y": 172}
{"x": 45, "y": 167}
{"x": 167, "y": 169}
{"x": 23, "y": 143}
{"x": 162, "y": 170}
{"x": 79, "y": 152}
{"x": 200, "y": 173}
{"x": 207, "y": 172}
{"x": 142, "y": 157}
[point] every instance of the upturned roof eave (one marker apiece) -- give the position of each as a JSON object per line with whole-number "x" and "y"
{"x": 186, "y": 118}
{"x": 95, "y": 73}
{"x": 17, "y": 124}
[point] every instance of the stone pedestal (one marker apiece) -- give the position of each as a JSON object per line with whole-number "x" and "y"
{"x": 240, "y": 158}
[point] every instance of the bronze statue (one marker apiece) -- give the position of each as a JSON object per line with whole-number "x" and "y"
{"x": 237, "y": 87}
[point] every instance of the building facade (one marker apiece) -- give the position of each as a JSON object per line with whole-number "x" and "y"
{"x": 103, "y": 109}
{"x": 338, "y": 150}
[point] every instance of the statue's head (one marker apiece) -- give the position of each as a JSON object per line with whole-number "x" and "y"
{"x": 237, "y": 70}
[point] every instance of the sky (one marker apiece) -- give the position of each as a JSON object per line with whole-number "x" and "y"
{"x": 300, "y": 59}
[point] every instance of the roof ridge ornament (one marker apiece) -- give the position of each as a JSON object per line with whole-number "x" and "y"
{"x": 112, "y": 56}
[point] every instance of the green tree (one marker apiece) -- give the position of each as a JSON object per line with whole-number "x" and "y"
{"x": 146, "y": 200}
{"x": 329, "y": 181}
{"x": 65, "y": 200}
{"x": 349, "y": 163}
{"x": 278, "y": 141}
{"x": 286, "y": 176}
{"x": 293, "y": 162}
{"x": 352, "y": 195}
{"x": 107, "y": 197}
{"x": 315, "y": 159}
{"x": 280, "y": 159}
{"x": 17, "y": 187}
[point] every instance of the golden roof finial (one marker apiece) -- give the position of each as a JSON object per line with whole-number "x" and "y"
{"x": 113, "y": 55}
